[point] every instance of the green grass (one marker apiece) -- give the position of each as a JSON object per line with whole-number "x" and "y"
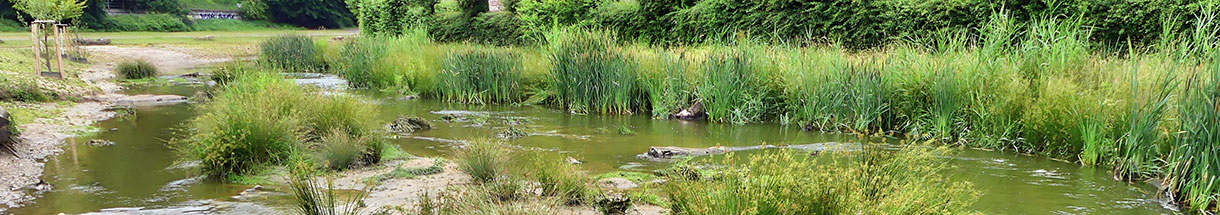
{"x": 211, "y": 4}
{"x": 136, "y": 69}
{"x": 238, "y": 25}
{"x": 560, "y": 179}
{"x": 734, "y": 89}
{"x": 867, "y": 182}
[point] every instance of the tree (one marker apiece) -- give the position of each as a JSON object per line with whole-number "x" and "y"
{"x": 51, "y": 9}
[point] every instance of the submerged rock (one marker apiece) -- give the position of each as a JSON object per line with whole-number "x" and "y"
{"x": 148, "y": 100}
{"x": 616, "y": 183}
{"x": 409, "y": 125}
{"x": 695, "y": 112}
{"x": 512, "y": 133}
{"x": 665, "y": 153}
{"x": 613, "y": 203}
{"x": 572, "y": 160}
{"x": 97, "y": 142}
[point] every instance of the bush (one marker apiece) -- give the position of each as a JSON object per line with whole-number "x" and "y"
{"x": 909, "y": 181}
{"x": 481, "y": 77}
{"x": 136, "y": 69}
{"x": 155, "y": 22}
{"x": 12, "y": 26}
{"x": 540, "y": 16}
{"x": 291, "y": 53}
{"x": 500, "y": 28}
{"x": 254, "y": 10}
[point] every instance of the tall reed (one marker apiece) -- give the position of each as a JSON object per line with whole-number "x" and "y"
{"x": 1194, "y": 162}
{"x": 482, "y": 77}
{"x": 292, "y": 53}
{"x": 591, "y": 75}
{"x": 734, "y": 90}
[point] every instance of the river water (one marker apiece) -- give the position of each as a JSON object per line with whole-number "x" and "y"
{"x": 139, "y": 171}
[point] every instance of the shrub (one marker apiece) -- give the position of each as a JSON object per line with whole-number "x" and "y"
{"x": 136, "y": 69}
{"x": 540, "y": 16}
{"x": 292, "y": 53}
{"x": 908, "y": 181}
{"x": 253, "y": 10}
{"x": 485, "y": 161}
{"x": 340, "y": 150}
{"x": 481, "y": 77}
{"x": 150, "y": 22}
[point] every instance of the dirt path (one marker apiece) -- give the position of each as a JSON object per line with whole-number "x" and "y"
{"x": 20, "y": 175}
{"x": 169, "y": 60}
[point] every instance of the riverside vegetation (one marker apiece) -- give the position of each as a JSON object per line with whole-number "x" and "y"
{"x": 1048, "y": 85}
{"x": 1041, "y": 88}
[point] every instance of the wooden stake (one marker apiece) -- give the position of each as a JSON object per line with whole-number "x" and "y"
{"x": 59, "y": 49}
{"x": 37, "y": 51}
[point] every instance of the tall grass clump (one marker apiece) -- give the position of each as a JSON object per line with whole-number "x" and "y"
{"x": 484, "y": 160}
{"x": 482, "y": 77}
{"x": 560, "y": 179}
{"x": 909, "y": 181}
{"x": 734, "y": 89}
{"x": 136, "y": 69}
{"x": 359, "y": 62}
{"x": 668, "y": 87}
{"x": 292, "y": 53}
{"x": 591, "y": 75}
{"x": 261, "y": 118}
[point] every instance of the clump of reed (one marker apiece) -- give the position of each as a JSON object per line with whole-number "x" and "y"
{"x": 1192, "y": 171}
{"x": 592, "y": 75}
{"x": 560, "y": 179}
{"x": 261, "y": 118}
{"x": 848, "y": 97}
{"x": 292, "y": 53}
{"x": 311, "y": 197}
{"x": 733, "y": 89}
{"x": 481, "y": 77}
{"x": 136, "y": 69}
{"x": 909, "y": 181}
{"x": 669, "y": 88}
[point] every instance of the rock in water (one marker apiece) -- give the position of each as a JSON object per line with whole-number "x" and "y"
{"x": 6, "y": 133}
{"x": 409, "y": 125}
{"x": 695, "y": 112}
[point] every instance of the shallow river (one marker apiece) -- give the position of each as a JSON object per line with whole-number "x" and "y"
{"x": 139, "y": 170}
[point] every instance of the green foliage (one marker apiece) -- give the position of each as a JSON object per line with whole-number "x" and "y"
{"x": 254, "y": 10}
{"x": 1192, "y": 162}
{"x": 12, "y": 26}
{"x": 498, "y": 28}
{"x": 669, "y": 90}
{"x": 136, "y": 69}
{"x": 311, "y": 13}
{"x": 291, "y": 53}
{"x": 481, "y": 77}
{"x": 340, "y": 150}
{"x": 155, "y": 22}
{"x": 909, "y": 181}
{"x": 540, "y": 16}
{"x": 50, "y": 9}
{"x": 486, "y": 161}
{"x": 391, "y": 17}
{"x": 591, "y": 75}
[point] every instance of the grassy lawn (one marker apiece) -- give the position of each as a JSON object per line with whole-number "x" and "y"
{"x": 211, "y": 4}
{"x": 22, "y": 39}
